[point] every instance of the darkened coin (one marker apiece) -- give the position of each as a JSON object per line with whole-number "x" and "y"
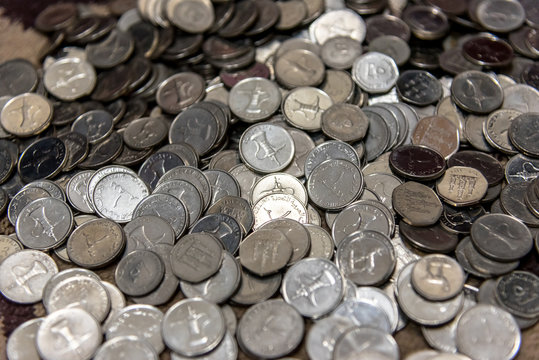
{"x": 222, "y": 49}
{"x": 460, "y": 220}
{"x": 256, "y": 70}
{"x": 469, "y": 86}
{"x": 112, "y": 51}
{"x": 56, "y": 16}
{"x": 268, "y": 15}
{"x": 111, "y": 84}
{"x": 513, "y": 203}
{"x": 197, "y": 127}
{"x": 103, "y": 152}
{"x": 3, "y": 201}
{"x": 417, "y": 204}
{"x": 22, "y": 198}
{"x": 438, "y": 133}
{"x": 429, "y": 239}
{"x": 96, "y": 125}
{"x": 265, "y": 251}
{"x": 487, "y": 50}
{"x": 419, "y": 87}
{"x": 95, "y": 243}
{"x": 192, "y": 175}
{"x": 299, "y": 67}
{"x": 345, "y": 122}
{"x": 43, "y": 159}
{"x": 245, "y": 15}
{"x": 254, "y": 289}
{"x": 139, "y": 272}
{"x": 417, "y": 162}
{"x": 179, "y": 91}
{"x": 517, "y": 292}
{"x": 238, "y": 208}
{"x": 426, "y": 22}
{"x": 187, "y": 193}
{"x": 297, "y": 235}
{"x": 144, "y": 232}
{"x": 454, "y": 62}
{"x": 480, "y": 263}
{"x": 196, "y": 257}
{"x": 168, "y": 208}
{"x": 380, "y": 25}
{"x": 223, "y": 227}
{"x": 7, "y": 161}
{"x": 501, "y": 237}
{"x": 157, "y": 165}
{"x": 184, "y": 151}
{"x": 488, "y": 165}
{"x": 76, "y": 147}
{"x": 524, "y": 133}
{"x": 18, "y": 76}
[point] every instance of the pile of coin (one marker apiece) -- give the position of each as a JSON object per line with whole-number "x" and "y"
{"x": 332, "y": 167}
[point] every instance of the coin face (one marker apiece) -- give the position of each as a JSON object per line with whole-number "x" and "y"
{"x": 462, "y": 186}
{"x": 26, "y": 114}
{"x": 437, "y": 277}
{"x": 417, "y": 204}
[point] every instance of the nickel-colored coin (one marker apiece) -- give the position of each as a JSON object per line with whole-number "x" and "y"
{"x": 254, "y": 99}
{"x": 417, "y": 204}
{"x": 139, "y": 272}
{"x": 303, "y": 107}
{"x": 476, "y": 92}
{"x": 128, "y": 346}
{"x": 21, "y": 343}
{"x": 437, "y": 277}
{"x": 276, "y": 206}
{"x": 366, "y": 342}
{"x": 70, "y": 78}
{"x": 517, "y": 291}
{"x": 196, "y": 257}
{"x": 375, "y": 72}
{"x": 256, "y": 248}
{"x": 26, "y": 114}
{"x": 462, "y": 186}
{"x": 345, "y": 122}
{"x": 295, "y": 233}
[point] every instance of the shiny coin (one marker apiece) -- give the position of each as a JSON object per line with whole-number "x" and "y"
{"x": 470, "y": 187}
{"x": 276, "y": 206}
{"x": 26, "y": 114}
{"x": 366, "y": 342}
{"x": 18, "y": 347}
{"x": 129, "y": 277}
{"x": 447, "y": 282}
{"x": 166, "y": 207}
{"x": 70, "y": 78}
{"x": 254, "y": 99}
{"x": 196, "y": 257}
{"x": 129, "y": 346}
{"x": 375, "y": 72}
{"x": 303, "y": 107}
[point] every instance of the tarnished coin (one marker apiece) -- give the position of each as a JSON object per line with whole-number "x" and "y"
{"x": 26, "y": 114}
{"x": 488, "y": 50}
{"x": 375, "y": 72}
{"x": 44, "y": 223}
{"x": 295, "y": 233}
{"x": 331, "y": 149}
{"x": 416, "y": 162}
{"x": 469, "y": 86}
{"x": 156, "y": 165}
{"x": 335, "y": 184}
{"x": 499, "y": 336}
{"x": 256, "y": 248}
{"x": 345, "y": 122}
{"x": 419, "y": 87}
{"x": 42, "y": 159}
{"x": 417, "y": 204}
{"x": 438, "y": 133}
{"x": 198, "y": 338}
{"x": 366, "y": 257}
{"x": 322, "y": 292}
{"x": 432, "y": 238}
{"x": 139, "y": 272}
{"x": 517, "y": 292}
{"x": 191, "y": 16}
{"x": 83, "y": 329}
{"x": 462, "y": 186}
{"x": 112, "y": 51}
{"x": 236, "y": 207}
{"x": 166, "y": 207}
{"x": 270, "y": 329}
{"x": 196, "y": 257}
{"x": 303, "y": 107}
{"x": 392, "y": 45}
{"x": 194, "y": 176}
{"x": 144, "y": 133}
{"x": 95, "y": 243}
{"x": 522, "y": 132}
{"x": 426, "y": 22}
{"x": 179, "y": 91}
{"x": 501, "y": 237}
{"x": 521, "y": 168}
{"x": 19, "y": 76}
{"x": 26, "y": 273}
{"x": 437, "y": 277}
{"x": 254, "y": 99}
{"x": 521, "y": 97}
{"x": 223, "y": 227}
{"x": 515, "y": 15}
{"x": 489, "y": 166}
{"x": 142, "y": 321}
{"x": 254, "y": 289}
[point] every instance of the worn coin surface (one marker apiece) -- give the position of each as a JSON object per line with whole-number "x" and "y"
{"x": 254, "y": 99}
{"x": 196, "y": 257}
{"x": 21, "y": 343}
{"x": 255, "y": 251}
{"x": 417, "y": 204}
{"x": 26, "y": 114}
{"x": 375, "y": 72}
{"x": 516, "y": 293}
{"x": 437, "y": 277}
{"x": 345, "y": 122}
{"x": 139, "y": 272}
{"x": 303, "y": 107}
{"x": 462, "y": 186}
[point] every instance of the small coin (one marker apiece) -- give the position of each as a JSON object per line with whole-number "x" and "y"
{"x": 366, "y": 342}
{"x": 255, "y": 250}
{"x": 129, "y": 277}
{"x": 345, "y": 122}
{"x": 516, "y": 293}
{"x": 26, "y": 114}
{"x": 416, "y": 162}
{"x": 417, "y": 204}
{"x": 375, "y": 72}
{"x": 129, "y": 346}
{"x": 18, "y": 347}
{"x": 472, "y": 186}
{"x": 446, "y": 284}
{"x": 430, "y": 239}
{"x": 419, "y": 87}
{"x": 254, "y": 99}
{"x": 196, "y": 257}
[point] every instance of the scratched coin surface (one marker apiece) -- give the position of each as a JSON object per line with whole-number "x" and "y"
{"x": 303, "y": 107}
{"x": 437, "y": 133}
{"x": 265, "y": 251}
{"x": 139, "y": 272}
{"x": 70, "y": 78}
{"x": 26, "y": 273}
{"x": 375, "y": 72}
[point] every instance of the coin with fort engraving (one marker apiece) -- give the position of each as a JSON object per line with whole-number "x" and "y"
{"x": 417, "y": 204}
{"x": 462, "y": 186}
{"x": 196, "y": 257}
{"x": 255, "y": 250}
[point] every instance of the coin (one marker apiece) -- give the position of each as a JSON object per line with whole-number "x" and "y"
{"x": 196, "y": 257}
{"x": 375, "y": 72}
{"x": 446, "y": 284}
{"x": 26, "y": 114}
{"x": 417, "y": 204}
{"x": 134, "y": 282}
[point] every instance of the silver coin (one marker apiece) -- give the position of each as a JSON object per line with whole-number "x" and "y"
{"x": 144, "y": 232}
{"x": 276, "y": 206}
{"x": 303, "y": 107}
{"x": 419, "y": 309}
{"x": 246, "y": 178}
{"x": 366, "y": 257}
{"x": 270, "y": 329}
{"x": 21, "y": 344}
{"x": 323, "y": 335}
{"x": 375, "y": 72}
{"x": 226, "y": 350}
{"x": 82, "y": 292}
{"x": 378, "y": 136}
{"x": 379, "y": 298}
{"x": 521, "y": 168}
{"x": 69, "y": 78}
{"x": 65, "y": 274}
{"x": 44, "y": 223}
{"x": 496, "y": 130}
{"x": 219, "y": 287}
{"x": 363, "y": 314}
{"x": 254, "y": 99}
{"x": 187, "y": 193}
{"x": 278, "y": 183}
{"x": 117, "y": 195}
{"x": 322, "y": 245}
{"x": 55, "y": 190}
{"x": 313, "y": 286}
{"x": 117, "y": 302}
{"x": 236, "y": 207}
{"x": 299, "y": 67}
{"x": 295, "y": 233}
{"x": 340, "y": 52}
{"x": 129, "y": 277}
{"x": 131, "y": 347}
{"x": 8, "y": 246}
{"x": 67, "y": 334}
{"x": 447, "y": 282}
{"x": 488, "y": 332}
{"x": 222, "y": 184}
{"x": 366, "y": 343}
{"x": 383, "y": 185}
{"x": 96, "y": 125}
{"x": 266, "y": 148}
{"x": 338, "y": 23}
{"x": 332, "y": 149}
{"x": 166, "y": 207}
{"x": 514, "y": 15}
{"x": 77, "y": 191}
{"x": 254, "y": 289}
{"x": 142, "y": 321}
{"x": 193, "y": 327}
{"x": 362, "y": 215}
{"x": 192, "y": 175}
{"x": 192, "y": 16}
{"x": 196, "y": 257}
{"x": 334, "y": 184}
{"x": 521, "y": 97}
{"x": 22, "y": 198}
{"x": 101, "y": 173}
